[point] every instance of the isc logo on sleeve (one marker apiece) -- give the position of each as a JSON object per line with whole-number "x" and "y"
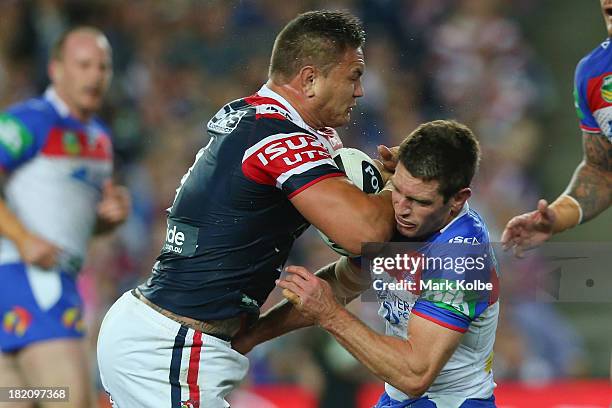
{"x": 181, "y": 239}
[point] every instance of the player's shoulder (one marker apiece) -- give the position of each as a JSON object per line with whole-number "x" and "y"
{"x": 231, "y": 116}
{"x": 467, "y": 228}
{"x": 596, "y": 61}
{"x": 266, "y": 107}
{"x": 35, "y": 113}
{"x": 247, "y": 113}
{"x": 273, "y": 116}
{"x": 260, "y": 116}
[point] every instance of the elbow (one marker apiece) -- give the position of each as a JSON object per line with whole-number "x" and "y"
{"x": 415, "y": 391}
{"x": 416, "y": 385}
{"x": 415, "y": 388}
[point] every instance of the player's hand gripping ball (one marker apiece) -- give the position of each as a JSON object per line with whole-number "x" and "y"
{"x": 361, "y": 170}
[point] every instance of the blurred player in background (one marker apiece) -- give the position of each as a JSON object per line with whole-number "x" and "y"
{"x": 436, "y": 353}
{"x": 264, "y": 177}
{"x": 590, "y": 190}
{"x": 56, "y": 157}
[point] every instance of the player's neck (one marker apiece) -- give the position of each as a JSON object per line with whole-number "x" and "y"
{"x": 452, "y": 215}
{"x": 297, "y": 101}
{"x": 79, "y": 114}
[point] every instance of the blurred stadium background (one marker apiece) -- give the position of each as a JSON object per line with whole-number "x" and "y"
{"x": 503, "y": 67}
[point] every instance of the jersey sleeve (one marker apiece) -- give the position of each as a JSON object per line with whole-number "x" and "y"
{"x": 581, "y": 98}
{"x": 21, "y": 137}
{"x": 290, "y": 161}
{"x": 460, "y": 280}
{"x": 442, "y": 314}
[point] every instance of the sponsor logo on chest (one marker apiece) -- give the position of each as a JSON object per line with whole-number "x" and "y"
{"x": 181, "y": 239}
{"x": 70, "y": 143}
{"x": 606, "y": 88}
{"x": 293, "y": 150}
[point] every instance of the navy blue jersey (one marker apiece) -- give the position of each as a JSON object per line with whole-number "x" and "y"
{"x": 231, "y": 226}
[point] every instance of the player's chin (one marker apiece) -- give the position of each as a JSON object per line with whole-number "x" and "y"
{"x": 339, "y": 120}
{"x": 407, "y": 231}
{"x": 92, "y": 99}
{"x": 91, "y": 104}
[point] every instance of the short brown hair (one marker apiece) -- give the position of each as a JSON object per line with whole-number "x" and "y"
{"x": 319, "y": 38}
{"x": 442, "y": 150}
{"x": 57, "y": 50}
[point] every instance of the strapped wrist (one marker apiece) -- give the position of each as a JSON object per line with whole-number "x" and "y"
{"x": 568, "y": 213}
{"x": 350, "y": 282}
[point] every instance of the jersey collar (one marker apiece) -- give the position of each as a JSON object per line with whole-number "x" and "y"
{"x": 58, "y": 104}
{"x": 463, "y": 211}
{"x": 294, "y": 115}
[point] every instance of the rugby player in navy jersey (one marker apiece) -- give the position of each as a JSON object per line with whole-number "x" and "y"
{"x": 56, "y": 158}
{"x": 589, "y": 192}
{"x": 437, "y": 350}
{"x": 264, "y": 177}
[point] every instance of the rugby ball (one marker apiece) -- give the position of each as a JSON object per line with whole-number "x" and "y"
{"x": 361, "y": 170}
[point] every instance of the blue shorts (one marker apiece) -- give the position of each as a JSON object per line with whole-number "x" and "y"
{"x": 386, "y": 402}
{"x": 37, "y": 305}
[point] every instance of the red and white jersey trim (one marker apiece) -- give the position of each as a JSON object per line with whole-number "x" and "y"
{"x": 276, "y": 158}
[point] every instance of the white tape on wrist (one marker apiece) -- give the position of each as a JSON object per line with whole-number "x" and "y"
{"x": 346, "y": 276}
{"x": 580, "y": 214}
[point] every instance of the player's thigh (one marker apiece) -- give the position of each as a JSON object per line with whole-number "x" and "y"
{"x": 59, "y": 363}
{"x": 148, "y": 360}
{"x": 11, "y": 377}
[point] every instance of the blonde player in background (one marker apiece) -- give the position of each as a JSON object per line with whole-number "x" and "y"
{"x": 56, "y": 157}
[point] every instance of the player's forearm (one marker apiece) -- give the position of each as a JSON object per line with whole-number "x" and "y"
{"x": 592, "y": 188}
{"x": 281, "y": 319}
{"x": 391, "y": 359}
{"x": 284, "y": 318}
{"x": 10, "y": 226}
{"x": 374, "y": 222}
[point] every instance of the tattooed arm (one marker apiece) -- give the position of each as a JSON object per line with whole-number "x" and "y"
{"x": 591, "y": 185}
{"x": 588, "y": 194}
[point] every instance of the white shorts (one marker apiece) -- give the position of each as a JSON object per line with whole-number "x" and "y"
{"x": 148, "y": 360}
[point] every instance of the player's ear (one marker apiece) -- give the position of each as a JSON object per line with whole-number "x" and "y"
{"x": 54, "y": 70}
{"x": 459, "y": 199}
{"x": 308, "y": 75}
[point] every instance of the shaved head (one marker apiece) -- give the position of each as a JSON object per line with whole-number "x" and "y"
{"x": 80, "y": 70}
{"x": 78, "y": 34}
